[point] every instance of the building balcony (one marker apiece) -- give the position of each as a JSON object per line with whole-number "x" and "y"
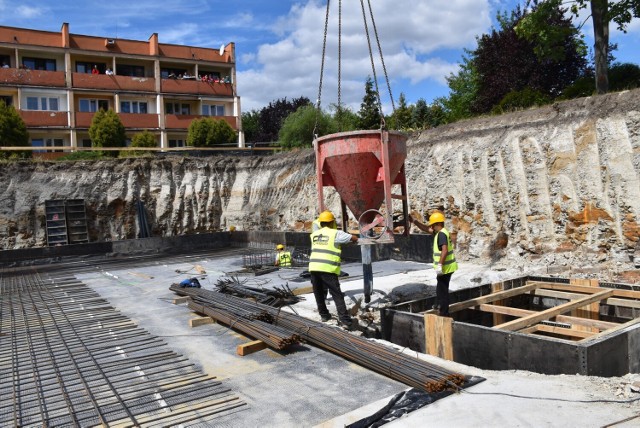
{"x": 182, "y": 121}
{"x": 196, "y": 87}
{"x": 129, "y": 120}
{"x": 22, "y": 77}
{"x": 139, "y": 120}
{"x": 113, "y": 82}
{"x": 34, "y": 119}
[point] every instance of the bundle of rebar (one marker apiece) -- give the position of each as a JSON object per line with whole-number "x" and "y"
{"x": 375, "y": 356}
{"x": 252, "y": 322}
{"x": 277, "y": 297}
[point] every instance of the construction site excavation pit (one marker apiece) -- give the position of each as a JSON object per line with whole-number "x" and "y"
{"x": 546, "y": 325}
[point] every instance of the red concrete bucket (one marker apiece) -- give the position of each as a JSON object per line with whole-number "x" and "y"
{"x": 359, "y": 164}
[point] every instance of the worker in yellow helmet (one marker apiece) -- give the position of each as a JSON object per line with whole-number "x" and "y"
{"x": 444, "y": 259}
{"x": 283, "y": 258}
{"x": 316, "y": 223}
{"x": 324, "y": 267}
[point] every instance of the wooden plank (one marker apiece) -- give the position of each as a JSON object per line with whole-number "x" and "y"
{"x": 591, "y": 311}
{"x": 551, "y": 312}
{"x": 631, "y": 294}
{"x": 498, "y": 318}
{"x": 601, "y": 325}
{"x": 556, "y": 330}
{"x": 489, "y": 298}
{"x": 613, "y": 330}
{"x": 195, "y": 322}
{"x": 250, "y": 347}
{"x": 181, "y": 300}
{"x": 302, "y": 290}
{"x": 438, "y": 336}
{"x": 200, "y": 269}
{"x": 627, "y": 303}
{"x": 141, "y": 275}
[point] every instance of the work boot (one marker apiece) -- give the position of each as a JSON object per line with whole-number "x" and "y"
{"x": 348, "y": 324}
{"x": 325, "y": 318}
{"x": 435, "y": 307}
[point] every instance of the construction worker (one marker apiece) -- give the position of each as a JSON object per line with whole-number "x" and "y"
{"x": 316, "y": 223}
{"x": 324, "y": 267}
{"x": 444, "y": 259}
{"x": 283, "y": 258}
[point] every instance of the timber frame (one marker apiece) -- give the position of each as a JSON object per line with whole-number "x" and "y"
{"x": 547, "y": 325}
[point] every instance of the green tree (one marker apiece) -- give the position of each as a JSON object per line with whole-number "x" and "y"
{"x": 402, "y": 116}
{"x": 420, "y": 114}
{"x": 272, "y": 117}
{"x": 297, "y": 129}
{"x": 13, "y": 132}
{"x": 345, "y": 118}
{"x": 208, "y": 132}
{"x": 107, "y": 130}
{"x": 369, "y": 114}
{"x": 603, "y": 12}
{"x": 464, "y": 87}
{"x": 251, "y": 125}
{"x": 143, "y": 139}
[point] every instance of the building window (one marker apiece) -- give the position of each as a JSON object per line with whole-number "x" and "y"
{"x": 86, "y": 67}
{"x": 92, "y": 106}
{"x": 8, "y": 100}
{"x": 47, "y": 142}
{"x": 133, "y": 107}
{"x": 4, "y": 60}
{"x": 39, "y": 64}
{"x": 176, "y": 143}
{"x": 177, "y": 108}
{"x": 212, "y": 110}
{"x": 173, "y": 73}
{"x": 130, "y": 70}
{"x": 42, "y": 103}
{"x": 85, "y": 142}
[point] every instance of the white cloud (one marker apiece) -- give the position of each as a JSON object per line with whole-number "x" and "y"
{"x": 410, "y": 33}
{"x": 28, "y": 12}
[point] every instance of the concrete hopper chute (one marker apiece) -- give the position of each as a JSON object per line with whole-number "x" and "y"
{"x": 363, "y": 166}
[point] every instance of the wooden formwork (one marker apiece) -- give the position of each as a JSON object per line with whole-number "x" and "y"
{"x": 578, "y": 319}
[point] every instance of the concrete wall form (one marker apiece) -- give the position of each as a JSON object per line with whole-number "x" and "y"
{"x": 614, "y": 354}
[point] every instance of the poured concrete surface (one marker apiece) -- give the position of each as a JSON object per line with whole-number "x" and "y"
{"x": 309, "y": 387}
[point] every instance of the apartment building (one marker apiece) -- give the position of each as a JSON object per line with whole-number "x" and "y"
{"x": 58, "y": 80}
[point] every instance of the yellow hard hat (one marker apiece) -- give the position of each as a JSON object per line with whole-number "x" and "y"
{"x": 232, "y": 228}
{"x": 326, "y": 217}
{"x": 436, "y": 217}
{"x": 279, "y": 247}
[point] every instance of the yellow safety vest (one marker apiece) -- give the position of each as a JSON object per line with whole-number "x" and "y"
{"x": 284, "y": 259}
{"x": 325, "y": 255}
{"x": 450, "y": 265}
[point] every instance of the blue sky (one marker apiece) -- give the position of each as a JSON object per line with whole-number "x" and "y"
{"x": 279, "y": 42}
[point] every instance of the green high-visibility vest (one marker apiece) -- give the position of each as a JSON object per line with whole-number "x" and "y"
{"x": 450, "y": 265}
{"x": 325, "y": 255}
{"x": 284, "y": 259}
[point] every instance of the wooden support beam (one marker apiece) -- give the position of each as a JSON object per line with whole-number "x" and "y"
{"x": 498, "y": 318}
{"x": 613, "y": 330}
{"x": 626, "y": 303}
{"x": 630, "y": 294}
{"x": 195, "y": 322}
{"x": 551, "y": 312}
{"x": 557, "y": 330}
{"x": 181, "y": 300}
{"x": 489, "y": 298}
{"x": 516, "y": 312}
{"x": 250, "y": 347}
{"x": 438, "y": 336}
{"x": 302, "y": 290}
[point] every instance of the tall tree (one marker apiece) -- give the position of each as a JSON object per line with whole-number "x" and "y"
{"x": 272, "y": 117}
{"x": 251, "y": 125}
{"x": 401, "y": 117}
{"x": 107, "y": 130}
{"x": 298, "y": 128}
{"x": 506, "y": 62}
{"x": 603, "y": 12}
{"x": 464, "y": 88}
{"x": 13, "y": 132}
{"x": 369, "y": 113}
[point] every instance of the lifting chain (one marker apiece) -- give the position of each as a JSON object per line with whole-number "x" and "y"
{"x": 373, "y": 68}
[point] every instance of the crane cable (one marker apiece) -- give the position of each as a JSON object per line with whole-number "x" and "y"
{"x": 373, "y": 68}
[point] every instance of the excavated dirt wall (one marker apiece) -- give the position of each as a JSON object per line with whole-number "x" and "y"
{"x": 557, "y": 186}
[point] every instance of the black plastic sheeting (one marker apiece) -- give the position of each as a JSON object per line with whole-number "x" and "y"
{"x": 406, "y": 402}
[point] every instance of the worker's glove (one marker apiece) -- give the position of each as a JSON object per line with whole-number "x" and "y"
{"x": 438, "y": 270}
